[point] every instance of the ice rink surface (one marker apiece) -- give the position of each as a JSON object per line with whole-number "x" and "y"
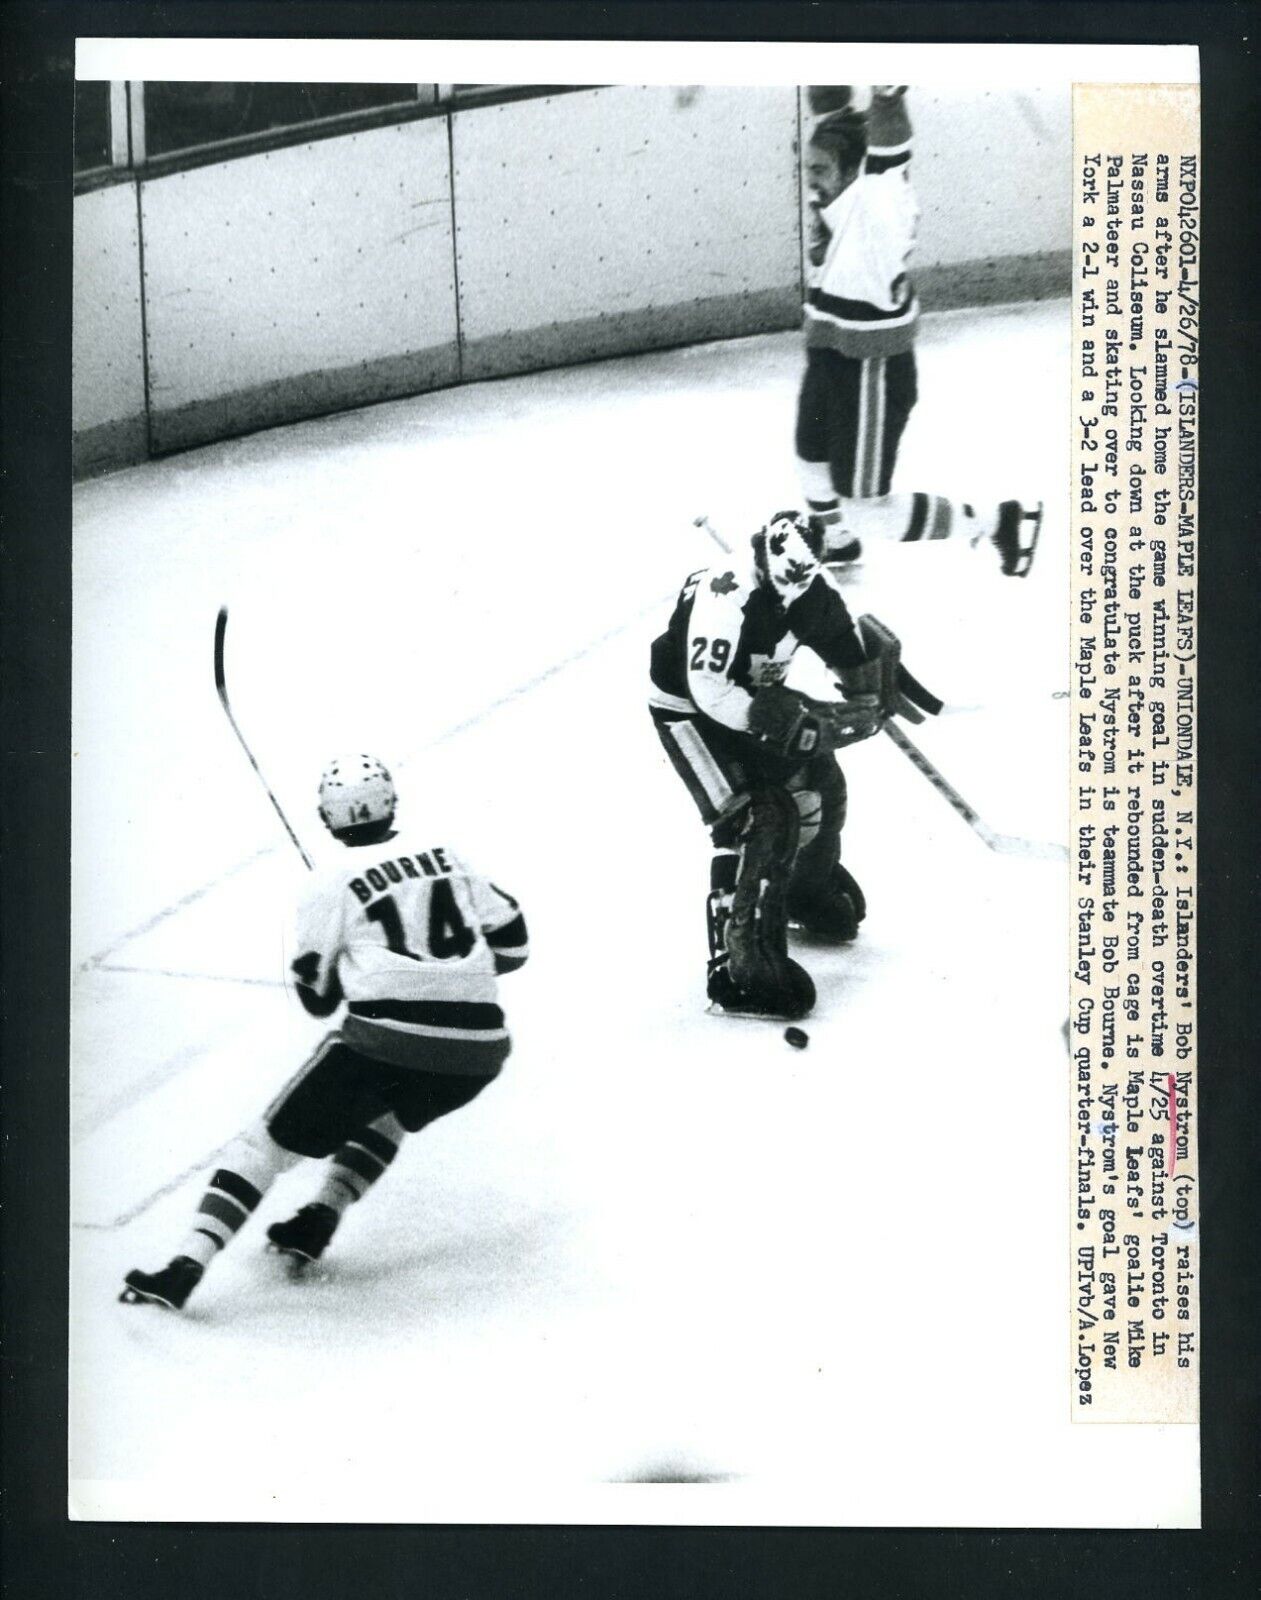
{"x": 665, "y": 1269}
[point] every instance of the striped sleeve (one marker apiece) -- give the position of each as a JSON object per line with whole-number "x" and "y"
{"x": 503, "y": 925}
{"x": 888, "y": 135}
{"x": 510, "y": 945}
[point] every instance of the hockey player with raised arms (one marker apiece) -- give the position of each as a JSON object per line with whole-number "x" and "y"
{"x": 861, "y": 314}
{"x": 412, "y": 941}
{"x": 757, "y": 756}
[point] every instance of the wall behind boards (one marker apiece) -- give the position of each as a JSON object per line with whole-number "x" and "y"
{"x": 991, "y": 174}
{"x": 299, "y": 281}
{"x": 624, "y": 219}
{"x": 109, "y": 418}
{"x": 504, "y": 238}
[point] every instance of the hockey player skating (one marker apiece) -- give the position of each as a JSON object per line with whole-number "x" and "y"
{"x": 757, "y": 757}
{"x": 859, "y": 385}
{"x": 412, "y": 940}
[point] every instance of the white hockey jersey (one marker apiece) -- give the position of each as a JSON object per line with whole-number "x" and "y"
{"x": 860, "y": 299}
{"x": 413, "y": 941}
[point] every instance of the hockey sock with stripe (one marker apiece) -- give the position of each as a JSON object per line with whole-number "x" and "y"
{"x": 226, "y": 1206}
{"x": 251, "y": 1163}
{"x": 908, "y": 518}
{"x": 358, "y": 1164}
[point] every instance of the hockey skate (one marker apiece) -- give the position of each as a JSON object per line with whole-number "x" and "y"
{"x": 1016, "y": 537}
{"x": 846, "y": 554}
{"x": 834, "y": 547}
{"x": 789, "y": 998}
{"x": 304, "y": 1237}
{"x": 828, "y": 911}
{"x": 171, "y": 1287}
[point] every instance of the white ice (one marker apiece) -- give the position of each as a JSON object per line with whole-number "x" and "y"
{"x": 824, "y": 1286}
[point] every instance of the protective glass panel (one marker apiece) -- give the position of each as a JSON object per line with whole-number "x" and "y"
{"x": 180, "y": 116}
{"x": 91, "y": 126}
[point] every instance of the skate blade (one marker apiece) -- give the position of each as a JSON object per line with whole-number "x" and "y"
{"x": 713, "y": 1009}
{"x": 295, "y": 1262}
{"x": 139, "y": 1297}
{"x": 821, "y": 941}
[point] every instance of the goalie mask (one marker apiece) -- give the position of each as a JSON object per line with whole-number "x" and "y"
{"x": 786, "y": 555}
{"x": 355, "y": 792}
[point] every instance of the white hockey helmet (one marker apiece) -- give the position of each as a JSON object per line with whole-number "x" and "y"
{"x": 356, "y": 791}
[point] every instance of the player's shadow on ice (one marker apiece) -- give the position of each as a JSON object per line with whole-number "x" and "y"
{"x": 668, "y": 1471}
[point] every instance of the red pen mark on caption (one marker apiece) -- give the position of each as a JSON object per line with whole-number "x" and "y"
{"x": 1173, "y": 1122}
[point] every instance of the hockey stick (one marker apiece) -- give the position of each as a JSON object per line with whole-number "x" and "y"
{"x": 1006, "y": 844}
{"x": 221, "y": 685}
{"x": 1003, "y": 843}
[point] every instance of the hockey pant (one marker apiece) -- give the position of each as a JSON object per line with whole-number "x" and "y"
{"x": 851, "y": 415}
{"x": 340, "y": 1102}
{"x": 339, "y": 1091}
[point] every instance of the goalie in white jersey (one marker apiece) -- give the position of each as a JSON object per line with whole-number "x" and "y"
{"x": 413, "y": 942}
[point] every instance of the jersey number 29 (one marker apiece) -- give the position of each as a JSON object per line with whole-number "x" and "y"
{"x": 719, "y": 654}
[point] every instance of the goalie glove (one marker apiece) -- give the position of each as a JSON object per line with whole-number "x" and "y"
{"x": 883, "y": 676}
{"x": 796, "y": 727}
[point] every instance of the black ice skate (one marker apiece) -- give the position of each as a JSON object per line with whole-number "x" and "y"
{"x": 828, "y": 911}
{"x": 304, "y": 1238}
{"x": 846, "y": 554}
{"x": 1017, "y": 536}
{"x": 171, "y": 1287}
{"x": 788, "y": 999}
{"x": 829, "y": 543}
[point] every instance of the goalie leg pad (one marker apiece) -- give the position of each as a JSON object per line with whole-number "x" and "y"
{"x": 824, "y": 900}
{"x": 757, "y": 930}
{"x": 822, "y": 782}
{"x": 828, "y": 909}
{"x": 723, "y": 867}
{"x": 809, "y": 804}
{"x": 791, "y": 1000}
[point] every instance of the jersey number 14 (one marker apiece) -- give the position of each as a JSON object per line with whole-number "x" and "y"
{"x": 448, "y": 934}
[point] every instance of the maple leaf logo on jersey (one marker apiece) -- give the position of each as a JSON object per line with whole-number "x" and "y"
{"x": 776, "y": 542}
{"x": 724, "y": 583}
{"x": 797, "y": 571}
{"x": 765, "y": 669}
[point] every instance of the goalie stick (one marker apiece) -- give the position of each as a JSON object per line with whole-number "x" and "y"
{"x": 1002, "y": 843}
{"x": 221, "y": 685}
{"x": 1006, "y": 844}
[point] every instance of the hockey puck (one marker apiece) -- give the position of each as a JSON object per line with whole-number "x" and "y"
{"x": 797, "y": 1037}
